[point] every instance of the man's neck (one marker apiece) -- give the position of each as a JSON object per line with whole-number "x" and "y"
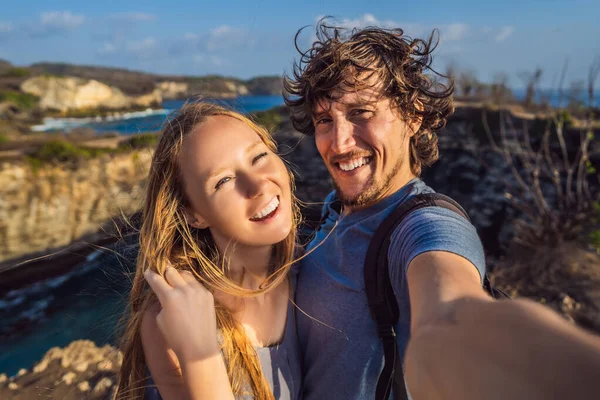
{"x": 398, "y": 185}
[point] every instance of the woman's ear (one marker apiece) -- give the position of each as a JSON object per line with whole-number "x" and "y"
{"x": 195, "y": 220}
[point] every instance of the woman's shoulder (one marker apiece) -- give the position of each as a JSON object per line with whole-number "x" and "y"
{"x": 148, "y": 323}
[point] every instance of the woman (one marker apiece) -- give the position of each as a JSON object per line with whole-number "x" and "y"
{"x": 210, "y": 296}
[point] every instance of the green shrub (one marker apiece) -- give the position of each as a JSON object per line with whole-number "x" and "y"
{"x": 4, "y": 138}
{"x": 141, "y": 141}
{"x": 594, "y": 239}
{"x": 61, "y": 151}
{"x": 17, "y": 72}
{"x": 22, "y": 100}
{"x": 565, "y": 117}
{"x": 270, "y": 119}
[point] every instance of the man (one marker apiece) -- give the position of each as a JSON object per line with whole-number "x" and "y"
{"x": 374, "y": 113}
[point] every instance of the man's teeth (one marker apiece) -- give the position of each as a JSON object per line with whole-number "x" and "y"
{"x": 268, "y": 209}
{"x": 353, "y": 164}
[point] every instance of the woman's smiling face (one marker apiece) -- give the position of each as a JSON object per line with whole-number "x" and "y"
{"x": 235, "y": 185}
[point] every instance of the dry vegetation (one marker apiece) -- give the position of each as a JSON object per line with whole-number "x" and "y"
{"x": 555, "y": 254}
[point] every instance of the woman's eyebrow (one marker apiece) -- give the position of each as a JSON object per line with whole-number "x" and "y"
{"x": 249, "y": 149}
{"x": 253, "y": 146}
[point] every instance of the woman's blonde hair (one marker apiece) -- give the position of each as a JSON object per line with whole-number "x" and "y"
{"x": 165, "y": 237}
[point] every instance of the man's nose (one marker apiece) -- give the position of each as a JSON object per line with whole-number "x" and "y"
{"x": 343, "y": 136}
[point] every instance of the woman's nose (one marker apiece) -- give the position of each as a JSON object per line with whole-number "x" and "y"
{"x": 254, "y": 185}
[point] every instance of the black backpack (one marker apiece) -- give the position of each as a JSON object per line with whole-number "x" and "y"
{"x": 381, "y": 298}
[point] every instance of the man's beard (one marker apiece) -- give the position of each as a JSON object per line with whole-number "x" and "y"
{"x": 373, "y": 190}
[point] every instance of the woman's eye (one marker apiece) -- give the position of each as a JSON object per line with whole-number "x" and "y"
{"x": 258, "y": 157}
{"x": 222, "y": 182}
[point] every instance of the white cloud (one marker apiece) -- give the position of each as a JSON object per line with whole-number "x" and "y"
{"x": 209, "y": 59}
{"x": 223, "y": 38}
{"x": 449, "y": 32}
{"x": 134, "y": 16}
{"x": 108, "y": 48}
{"x": 454, "y": 31}
{"x": 191, "y": 36}
{"x": 142, "y": 46}
{"x": 51, "y": 23}
{"x": 226, "y": 37}
{"x": 504, "y": 33}
{"x": 6, "y": 27}
{"x": 363, "y": 22}
{"x": 61, "y": 20}
{"x": 147, "y": 48}
{"x": 222, "y": 30}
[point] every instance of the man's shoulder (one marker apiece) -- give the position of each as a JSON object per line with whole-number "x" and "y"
{"x": 433, "y": 217}
{"x": 435, "y": 228}
{"x": 418, "y": 187}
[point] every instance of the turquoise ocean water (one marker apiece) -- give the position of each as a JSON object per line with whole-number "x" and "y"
{"x": 151, "y": 120}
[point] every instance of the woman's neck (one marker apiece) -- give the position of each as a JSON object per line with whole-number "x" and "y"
{"x": 247, "y": 266}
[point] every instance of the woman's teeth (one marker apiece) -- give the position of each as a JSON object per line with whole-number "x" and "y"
{"x": 353, "y": 164}
{"x": 272, "y": 206}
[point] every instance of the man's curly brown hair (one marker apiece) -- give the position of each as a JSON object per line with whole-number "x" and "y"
{"x": 402, "y": 66}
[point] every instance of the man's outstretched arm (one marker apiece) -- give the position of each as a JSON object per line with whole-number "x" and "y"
{"x": 464, "y": 345}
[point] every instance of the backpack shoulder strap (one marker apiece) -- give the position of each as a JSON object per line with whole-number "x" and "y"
{"x": 380, "y": 294}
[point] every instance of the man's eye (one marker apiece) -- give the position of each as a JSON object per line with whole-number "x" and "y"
{"x": 222, "y": 182}
{"x": 324, "y": 120}
{"x": 361, "y": 112}
{"x": 258, "y": 157}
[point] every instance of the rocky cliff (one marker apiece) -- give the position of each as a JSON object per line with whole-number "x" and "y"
{"x": 78, "y": 90}
{"x": 68, "y": 93}
{"x": 48, "y": 207}
{"x": 135, "y": 83}
{"x": 172, "y": 90}
{"x": 79, "y": 371}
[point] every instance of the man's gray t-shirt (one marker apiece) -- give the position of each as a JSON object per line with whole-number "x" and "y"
{"x": 342, "y": 352}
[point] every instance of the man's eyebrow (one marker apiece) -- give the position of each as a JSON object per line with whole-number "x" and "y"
{"x": 359, "y": 103}
{"x": 351, "y": 104}
{"x": 249, "y": 149}
{"x": 318, "y": 115}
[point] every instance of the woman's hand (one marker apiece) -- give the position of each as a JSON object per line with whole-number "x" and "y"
{"x": 187, "y": 319}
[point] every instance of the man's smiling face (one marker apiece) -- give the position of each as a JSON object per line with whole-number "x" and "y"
{"x": 365, "y": 144}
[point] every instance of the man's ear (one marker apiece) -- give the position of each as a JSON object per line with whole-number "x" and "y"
{"x": 195, "y": 220}
{"x": 414, "y": 122}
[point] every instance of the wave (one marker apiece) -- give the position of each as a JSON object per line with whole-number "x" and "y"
{"x": 30, "y": 295}
{"x": 52, "y": 124}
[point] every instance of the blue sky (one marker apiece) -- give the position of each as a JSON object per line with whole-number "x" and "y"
{"x": 250, "y": 38}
